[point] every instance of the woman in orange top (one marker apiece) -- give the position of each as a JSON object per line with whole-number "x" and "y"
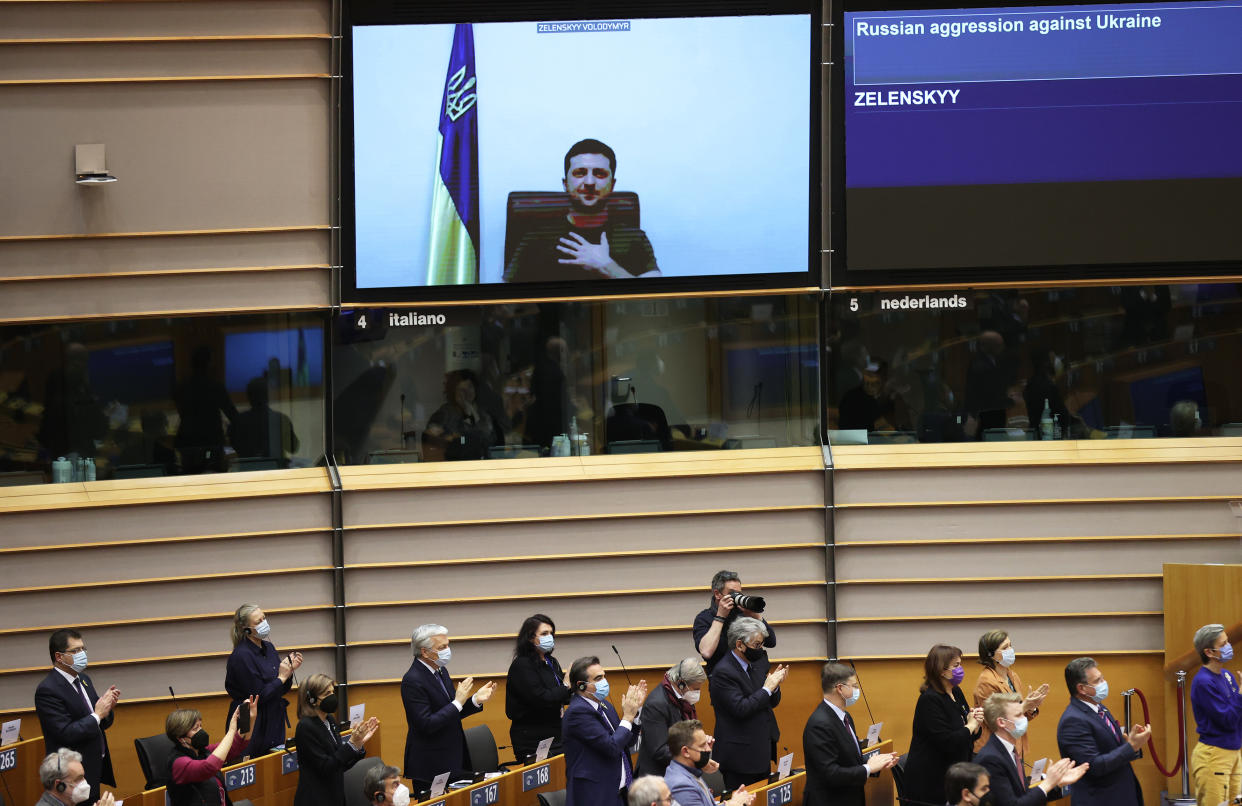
{"x": 997, "y": 655}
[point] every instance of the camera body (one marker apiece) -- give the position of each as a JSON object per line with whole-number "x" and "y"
{"x": 755, "y": 604}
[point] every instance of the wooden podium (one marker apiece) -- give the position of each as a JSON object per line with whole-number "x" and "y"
{"x": 880, "y": 790}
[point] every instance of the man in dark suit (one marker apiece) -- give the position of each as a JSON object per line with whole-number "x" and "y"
{"x": 1087, "y": 733}
{"x": 597, "y": 742}
{"x": 835, "y": 770}
{"x": 72, "y": 714}
{"x": 743, "y": 694}
{"x": 1001, "y": 758}
{"x": 434, "y": 741}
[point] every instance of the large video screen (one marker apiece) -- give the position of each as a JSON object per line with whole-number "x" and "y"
{"x": 509, "y": 158}
{"x": 1042, "y": 137}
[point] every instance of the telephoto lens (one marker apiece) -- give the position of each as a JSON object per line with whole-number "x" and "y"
{"x": 754, "y": 604}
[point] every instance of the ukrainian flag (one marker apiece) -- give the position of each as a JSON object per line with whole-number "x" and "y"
{"x": 454, "y": 245}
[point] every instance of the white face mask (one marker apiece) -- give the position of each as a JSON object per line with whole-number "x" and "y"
{"x": 262, "y": 629}
{"x": 691, "y": 696}
{"x": 401, "y": 795}
{"x": 81, "y": 792}
{"x": 443, "y": 656}
{"x": 1008, "y": 656}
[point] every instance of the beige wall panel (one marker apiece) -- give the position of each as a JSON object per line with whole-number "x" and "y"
{"x": 141, "y": 639}
{"x": 183, "y": 519}
{"x": 597, "y": 574}
{"x": 1084, "y": 635}
{"x": 196, "y": 155}
{"x": 183, "y": 597}
{"x": 1086, "y": 557}
{"x": 152, "y": 679}
{"x": 104, "y": 255}
{"x": 46, "y": 20}
{"x": 492, "y": 658}
{"x": 108, "y": 563}
{"x": 146, "y": 59}
{"x": 582, "y": 498}
{"x": 207, "y": 291}
{"x": 1034, "y": 520}
{"x": 1076, "y": 596}
{"x": 1024, "y": 483}
{"x": 505, "y": 617}
{"x": 630, "y": 534}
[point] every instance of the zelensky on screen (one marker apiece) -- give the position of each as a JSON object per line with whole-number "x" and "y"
{"x": 569, "y": 152}
{"x": 1058, "y": 135}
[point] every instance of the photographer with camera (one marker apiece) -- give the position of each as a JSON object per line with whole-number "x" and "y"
{"x": 712, "y": 624}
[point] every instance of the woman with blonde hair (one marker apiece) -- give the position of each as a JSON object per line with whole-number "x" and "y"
{"x": 254, "y": 669}
{"x": 323, "y": 756}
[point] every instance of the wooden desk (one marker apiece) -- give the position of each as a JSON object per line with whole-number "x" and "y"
{"x": 19, "y": 770}
{"x": 517, "y": 787}
{"x": 786, "y": 790}
{"x": 880, "y": 790}
{"x": 269, "y": 780}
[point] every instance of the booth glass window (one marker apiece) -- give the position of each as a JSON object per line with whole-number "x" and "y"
{"x": 1126, "y": 361}
{"x": 160, "y": 397}
{"x": 576, "y": 378}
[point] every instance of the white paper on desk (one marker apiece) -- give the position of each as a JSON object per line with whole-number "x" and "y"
{"x": 1037, "y": 770}
{"x": 438, "y": 784}
{"x": 784, "y": 765}
{"x": 10, "y": 732}
{"x": 873, "y": 734}
{"x": 541, "y": 752}
{"x": 357, "y": 713}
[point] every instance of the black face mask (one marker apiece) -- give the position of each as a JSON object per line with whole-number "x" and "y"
{"x": 753, "y": 653}
{"x": 705, "y": 758}
{"x": 200, "y": 740}
{"x": 329, "y": 704}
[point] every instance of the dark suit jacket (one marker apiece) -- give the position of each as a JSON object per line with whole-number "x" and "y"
{"x": 835, "y": 772}
{"x": 746, "y": 729}
{"x": 67, "y": 722}
{"x": 939, "y": 740}
{"x": 434, "y": 739}
{"x": 659, "y": 714}
{"x": 595, "y": 748}
{"x": 1082, "y": 736}
{"x": 1008, "y": 788}
{"x": 322, "y": 761}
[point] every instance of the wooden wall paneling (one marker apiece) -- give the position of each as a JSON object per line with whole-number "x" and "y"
{"x": 599, "y": 498}
{"x": 1034, "y": 520}
{"x": 1000, "y": 596}
{"x": 564, "y": 537}
{"x": 197, "y": 155}
{"x": 136, "y": 252}
{"x": 165, "y": 18}
{"x": 1079, "y": 557}
{"x": 1019, "y": 483}
{"x": 121, "y": 59}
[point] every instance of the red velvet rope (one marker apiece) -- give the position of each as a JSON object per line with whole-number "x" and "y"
{"x": 1151, "y": 746}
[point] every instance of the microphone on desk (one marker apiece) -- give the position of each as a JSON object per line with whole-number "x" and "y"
{"x": 174, "y": 697}
{"x": 862, "y": 691}
{"x": 623, "y": 669}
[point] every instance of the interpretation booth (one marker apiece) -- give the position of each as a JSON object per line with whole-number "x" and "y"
{"x": 921, "y": 317}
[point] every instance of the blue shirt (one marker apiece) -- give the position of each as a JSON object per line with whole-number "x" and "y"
{"x": 1217, "y": 707}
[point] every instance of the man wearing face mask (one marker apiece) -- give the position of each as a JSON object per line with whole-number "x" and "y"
{"x": 194, "y": 763}
{"x": 435, "y": 742}
{"x": 673, "y": 701}
{"x": 1006, "y": 767}
{"x": 835, "y": 770}
{"x": 64, "y": 781}
{"x": 691, "y": 750}
{"x": 598, "y": 742}
{"x": 72, "y": 714}
{"x": 382, "y": 787}
{"x": 743, "y": 692}
{"x": 1215, "y": 763}
{"x": 967, "y": 784}
{"x": 1088, "y": 734}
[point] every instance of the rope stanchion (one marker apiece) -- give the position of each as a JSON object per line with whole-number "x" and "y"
{"x": 1181, "y": 727}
